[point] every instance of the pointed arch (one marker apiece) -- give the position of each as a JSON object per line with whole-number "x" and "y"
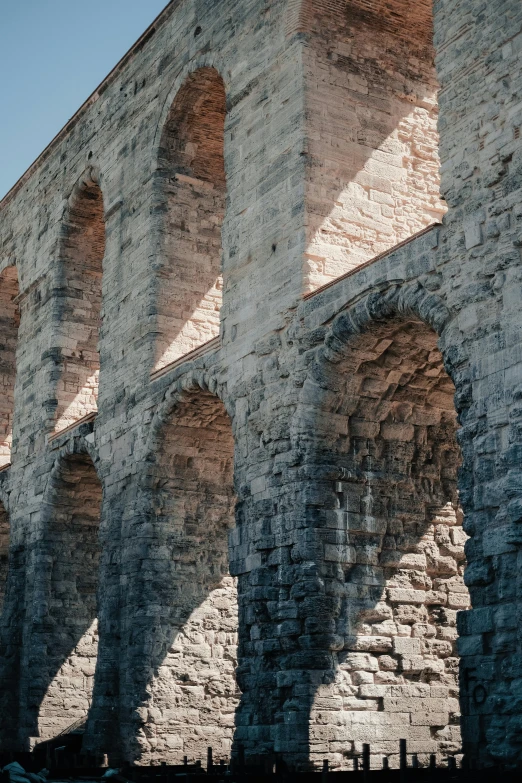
{"x": 80, "y": 301}
{"x": 9, "y": 324}
{"x": 191, "y": 187}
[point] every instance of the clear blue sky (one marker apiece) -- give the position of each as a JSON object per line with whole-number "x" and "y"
{"x": 53, "y": 54}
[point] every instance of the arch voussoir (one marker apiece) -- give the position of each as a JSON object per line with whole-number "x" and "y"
{"x": 375, "y": 306}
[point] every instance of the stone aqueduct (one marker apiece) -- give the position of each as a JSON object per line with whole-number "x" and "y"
{"x": 262, "y": 390}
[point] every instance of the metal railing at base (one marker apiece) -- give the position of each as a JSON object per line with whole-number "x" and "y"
{"x": 64, "y": 765}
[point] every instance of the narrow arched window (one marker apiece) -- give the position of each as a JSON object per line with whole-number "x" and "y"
{"x": 81, "y": 294}
{"x": 9, "y": 322}
{"x": 192, "y": 189}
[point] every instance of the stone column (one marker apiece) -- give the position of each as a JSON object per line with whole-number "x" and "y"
{"x": 491, "y": 494}
{"x": 288, "y": 593}
{"x": 103, "y": 728}
{"x": 11, "y": 649}
{"x": 289, "y": 598}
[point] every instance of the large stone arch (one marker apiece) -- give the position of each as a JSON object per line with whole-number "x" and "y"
{"x": 9, "y": 325}
{"x": 191, "y": 380}
{"x": 61, "y": 649}
{"x": 179, "y": 630}
{"x": 75, "y": 445}
{"x": 78, "y": 292}
{"x": 203, "y": 60}
{"x": 376, "y": 428}
{"x": 189, "y": 205}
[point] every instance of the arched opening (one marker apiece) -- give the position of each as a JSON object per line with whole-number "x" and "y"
{"x": 391, "y": 529}
{"x": 193, "y": 695}
{"x": 9, "y": 323}
{"x": 83, "y": 249}
{"x": 4, "y": 554}
{"x": 372, "y": 141}
{"x": 12, "y": 612}
{"x": 68, "y": 641}
{"x": 192, "y": 190}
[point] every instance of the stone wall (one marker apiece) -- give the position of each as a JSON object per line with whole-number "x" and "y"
{"x": 347, "y": 543}
{"x": 66, "y": 637}
{"x": 4, "y": 553}
{"x": 187, "y": 610}
{"x": 9, "y": 323}
{"x": 392, "y": 533}
{"x": 191, "y": 186}
{"x": 79, "y": 293}
{"x": 372, "y": 142}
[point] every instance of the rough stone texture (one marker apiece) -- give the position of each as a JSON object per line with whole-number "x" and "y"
{"x": 78, "y": 298}
{"x": 10, "y": 321}
{"x": 186, "y": 605}
{"x": 348, "y": 539}
{"x": 4, "y": 553}
{"x": 65, "y": 638}
{"x": 371, "y": 103}
{"x": 393, "y": 538}
{"x": 191, "y": 191}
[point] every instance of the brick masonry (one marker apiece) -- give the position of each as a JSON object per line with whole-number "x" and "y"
{"x": 366, "y": 434}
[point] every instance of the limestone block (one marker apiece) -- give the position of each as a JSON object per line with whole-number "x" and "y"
{"x": 405, "y": 596}
{"x": 406, "y": 646}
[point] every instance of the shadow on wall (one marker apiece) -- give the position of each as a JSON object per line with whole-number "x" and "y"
{"x": 372, "y": 147}
{"x": 9, "y": 323}
{"x": 392, "y": 534}
{"x": 79, "y": 292}
{"x": 64, "y": 642}
{"x": 190, "y": 207}
{"x": 4, "y": 553}
{"x": 371, "y": 580}
{"x": 12, "y": 609}
{"x": 180, "y": 637}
